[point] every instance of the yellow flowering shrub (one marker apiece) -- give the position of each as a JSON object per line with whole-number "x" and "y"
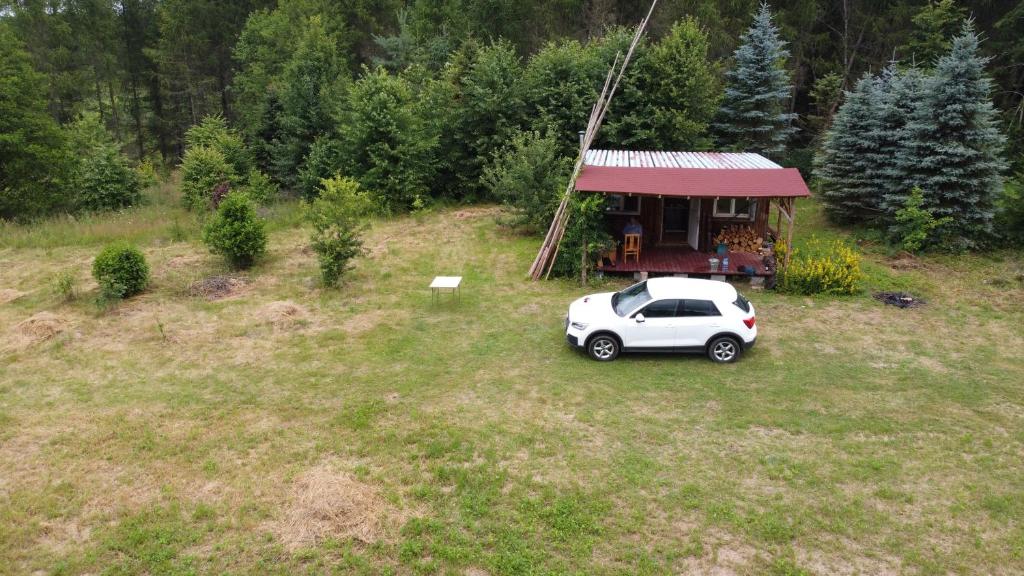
{"x": 821, "y": 268}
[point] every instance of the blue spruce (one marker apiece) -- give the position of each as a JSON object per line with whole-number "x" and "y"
{"x": 848, "y": 164}
{"x": 902, "y": 93}
{"x": 952, "y": 147}
{"x": 753, "y": 114}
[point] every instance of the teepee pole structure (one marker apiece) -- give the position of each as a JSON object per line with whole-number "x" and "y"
{"x": 548, "y": 253}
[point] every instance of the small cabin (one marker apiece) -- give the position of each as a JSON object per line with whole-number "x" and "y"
{"x": 686, "y": 202}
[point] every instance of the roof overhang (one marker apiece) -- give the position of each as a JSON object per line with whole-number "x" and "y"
{"x": 694, "y": 182}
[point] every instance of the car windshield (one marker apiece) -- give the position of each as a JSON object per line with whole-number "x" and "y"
{"x": 630, "y": 298}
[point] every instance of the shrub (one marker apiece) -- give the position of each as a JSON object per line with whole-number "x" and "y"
{"x": 202, "y": 170}
{"x": 105, "y": 181}
{"x": 147, "y": 174}
{"x": 820, "y": 268}
{"x": 1010, "y": 212}
{"x": 529, "y": 177}
{"x": 236, "y": 232}
{"x": 585, "y": 232}
{"x": 915, "y": 224}
{"x": 121, "y": 271}
{"x": 323, "y": 160}
{"x": 336, "y": 215}
{"x": 260, "y": 188}
{"x": 65, "y": 285}
{"x": 213, "y": 132}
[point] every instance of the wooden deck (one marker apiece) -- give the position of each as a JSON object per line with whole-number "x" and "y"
{"x": 683, "y": 260}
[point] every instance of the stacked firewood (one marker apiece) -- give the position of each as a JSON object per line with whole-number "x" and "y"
{"x": 739, "y": 238}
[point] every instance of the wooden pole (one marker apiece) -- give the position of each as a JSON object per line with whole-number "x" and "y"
{"x": 553, "y": 239}
{"x": 789, "y": 234}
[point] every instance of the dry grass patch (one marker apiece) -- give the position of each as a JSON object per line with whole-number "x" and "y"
{"x": 283, "y": 315}
{"x": 36, "y": 329}
{"x": 10, "y": 295}
{"x": 329, "y": 503}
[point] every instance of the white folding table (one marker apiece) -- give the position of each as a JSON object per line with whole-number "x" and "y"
{"x": 450, "y": 283}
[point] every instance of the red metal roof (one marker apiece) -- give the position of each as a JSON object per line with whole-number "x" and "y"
{"x": 695, "y": 182}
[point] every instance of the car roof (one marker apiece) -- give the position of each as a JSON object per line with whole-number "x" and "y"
{"x": 670, "y": 287}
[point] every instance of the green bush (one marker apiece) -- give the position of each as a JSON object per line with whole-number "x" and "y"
{"x": 585, "y": 233}
{"x": 915, "y": 224}
{"x": 820, "y": 268}
{"x": 105, "y": 181}
{"x": 236, "y": 232}
{"x": 102, "y": 178}
{"x": 121, "y": 271}
{"x": 65, "y": 285}
{"x": 202, "y": 170}
{"x": 1010, "y": 212}
{"x": 213, "y": 132}
{"x": 337, "y": 218}
{"x": 323, "y": 161}
{"x": 260, "y": 188}
{"x": 529, "y": 177}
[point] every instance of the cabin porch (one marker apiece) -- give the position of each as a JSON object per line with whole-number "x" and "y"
{"x": 681, "y": 260}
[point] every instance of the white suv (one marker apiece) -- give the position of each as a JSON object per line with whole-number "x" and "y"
{"x": 664, "y": 315}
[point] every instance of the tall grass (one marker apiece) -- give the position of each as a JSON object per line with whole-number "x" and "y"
{"x": 160, "y": 217}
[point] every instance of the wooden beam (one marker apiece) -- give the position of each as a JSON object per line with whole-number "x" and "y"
{"x": 789, "y": 234}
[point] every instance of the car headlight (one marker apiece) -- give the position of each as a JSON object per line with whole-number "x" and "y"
{"x": 579, "y": 325}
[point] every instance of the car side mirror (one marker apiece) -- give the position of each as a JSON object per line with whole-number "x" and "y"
{"x": 639, "y": 318}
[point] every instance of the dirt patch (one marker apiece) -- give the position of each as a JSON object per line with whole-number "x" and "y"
{"x": 283, "y": 315}
{"x": 41, "y": 327}
{"x": 326, "y": 502}
{"x": 10, "y": 295}
{"x": 477, "y": 212}
{"x": 217, "y": 287}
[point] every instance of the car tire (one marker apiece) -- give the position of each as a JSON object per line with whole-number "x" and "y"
{"x": 724, "y": 350}
{"x": 603, "y": 348}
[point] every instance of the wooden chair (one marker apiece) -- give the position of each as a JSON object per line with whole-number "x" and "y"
{"x": 631, "y": 246}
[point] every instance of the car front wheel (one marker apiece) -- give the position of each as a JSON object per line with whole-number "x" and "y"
{"x": 603, "y": 348}
{"x": 723, "y": 350}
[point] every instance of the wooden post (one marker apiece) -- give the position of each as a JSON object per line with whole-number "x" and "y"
{"x": 583, "y": 263}
{"x": 789, "y": 234}
{"x": 778, "y": 219}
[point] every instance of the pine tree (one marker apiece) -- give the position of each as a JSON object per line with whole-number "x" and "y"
{"x": 312, "y": 85}
{"x": 752, "y": 116}
{"x": 847, "y": 162}
{"x": 952, "y": 146}
{"x": 33, "y": 164}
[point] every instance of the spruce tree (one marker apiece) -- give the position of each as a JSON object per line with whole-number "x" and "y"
{"x": 952, "y": 146}
{"x": 903, "y": 92}
{"x": 847, "y": 164}
{"x": 753, "y": 114}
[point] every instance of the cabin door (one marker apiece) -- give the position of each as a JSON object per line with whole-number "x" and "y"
{"x": 694, "y": 225}
{"x": 675, "y": 218}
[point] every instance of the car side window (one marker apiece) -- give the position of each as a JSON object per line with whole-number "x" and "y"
{"x": 699, "y": 308}
{"x": 660, "y": 309}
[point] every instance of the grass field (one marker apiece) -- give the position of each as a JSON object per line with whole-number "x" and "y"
{"x": 288, "y": 429}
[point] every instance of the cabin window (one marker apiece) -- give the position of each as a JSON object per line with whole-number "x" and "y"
{"x": 740, "y": 208}
{"x": 622, "y": 204}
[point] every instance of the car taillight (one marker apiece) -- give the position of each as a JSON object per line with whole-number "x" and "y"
{"x": 750, "y": 321}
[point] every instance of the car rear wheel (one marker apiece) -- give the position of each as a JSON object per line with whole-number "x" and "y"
{"x": 724, "y": 350}
{"x": 603, "y": 348}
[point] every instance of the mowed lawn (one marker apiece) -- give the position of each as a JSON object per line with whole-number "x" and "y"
{"x": 288, "y": 429}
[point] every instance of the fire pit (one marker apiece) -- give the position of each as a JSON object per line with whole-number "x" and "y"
{"x": 899, "y": 299}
